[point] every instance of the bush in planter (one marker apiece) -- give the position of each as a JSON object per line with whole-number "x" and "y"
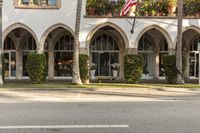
{"x": 133, "y": 68}
{"x": 83, "y": 65}
{"x": 169, "y": 66}
{"x": 36, "y": 66}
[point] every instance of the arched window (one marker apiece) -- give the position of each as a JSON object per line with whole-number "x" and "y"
{"x": 104, "y": 42}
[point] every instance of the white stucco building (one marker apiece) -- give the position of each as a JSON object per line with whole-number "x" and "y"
{"x": 50, "y": 27}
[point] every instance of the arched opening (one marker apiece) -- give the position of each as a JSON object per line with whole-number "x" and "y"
{"x": 153, "y": 47}
{"x": 194, "y": 57}
{"x": 107, "y": 48}
{"x": 17, "y": 45}
{"x": 191, "y": 38}
{"x": 59, "y": 46}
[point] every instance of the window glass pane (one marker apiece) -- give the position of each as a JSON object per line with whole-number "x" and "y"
{"x": 25, "y": 1}
{"x": 9, "y": 44}
{"x": 115, "y": 45}
{"x": 145, "y": 45}
{"x": 92, "y": 47}
{"x": 98, "y": 43}
{"x": 29, "y": 44}
{"x": 104, "y": 42}
{"x": 52, "y": 2}
{"x": 110, "y": 43}
{"x": 163, "y": 45}
{"x": 194, "y": 44}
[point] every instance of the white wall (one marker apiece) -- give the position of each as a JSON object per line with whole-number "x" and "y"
{"x": 39, "y": 20}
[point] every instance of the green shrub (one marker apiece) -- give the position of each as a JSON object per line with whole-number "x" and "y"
{"x": 36, "y": 67}
{"x": 3, "y": 67}
{"x": 170, "y": 68}
{"x": 133, "y": 68}
{"x": 83, "y": 65}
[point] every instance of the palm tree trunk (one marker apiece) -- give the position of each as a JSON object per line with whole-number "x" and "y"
{"x": 76, "y": 73}
{"x": 180, "y": 79}
{"x": 1, "y": 45}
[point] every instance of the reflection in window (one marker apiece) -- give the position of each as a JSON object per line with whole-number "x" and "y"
{"x": 145, "y": 45}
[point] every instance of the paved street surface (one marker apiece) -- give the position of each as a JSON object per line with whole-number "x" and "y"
{"x": 79, "y": 111}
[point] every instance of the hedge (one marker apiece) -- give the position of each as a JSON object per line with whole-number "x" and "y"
{"x": 37, "y": 67}
{"x": 133, "y": 68}
{"x": 170, "y": 69}
{"x": 3, "y": 67}
{"x": 83, "y": 65}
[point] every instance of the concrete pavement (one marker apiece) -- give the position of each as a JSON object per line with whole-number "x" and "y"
{"x": 109, "y": 94}
{"x": 139, "y": 110}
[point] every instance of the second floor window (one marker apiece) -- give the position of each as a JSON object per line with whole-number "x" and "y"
{"x": 39, "y": 2}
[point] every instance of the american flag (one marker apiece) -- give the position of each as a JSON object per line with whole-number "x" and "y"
{"x": 127, "y": 6}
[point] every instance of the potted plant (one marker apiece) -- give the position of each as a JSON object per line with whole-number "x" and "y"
{"x": 115, "y": 69}
{"x": 118, "y": 7}
{"x": 189, "y": 7}
{"x": 146, "y": 7}
{"x": 171, "y": 7}
{"x": 101, "y": 6}
{"x": 110, "y": 7}
{"x": 158, "y": 8}
{"x": 90, "y": 7}
{"x": 197, "y": 8}
{"x": 93, "y": 70}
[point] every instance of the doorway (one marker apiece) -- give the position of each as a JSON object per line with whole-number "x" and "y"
{"x": 103, "y": 60}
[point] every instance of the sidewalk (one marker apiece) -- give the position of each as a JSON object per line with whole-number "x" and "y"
{"x": 105, "y": 94}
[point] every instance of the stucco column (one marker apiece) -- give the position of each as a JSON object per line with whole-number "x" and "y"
{"x": 156, "y": 64}
{"x": 171, "y": 51}
{"x": 187, "y": 70}
{"x": 19, "y": 64}
{"x": 121, "y": 62}
{"x": 40, "y": 48}
{"x": 1, "y": 43}
{"x": 51, "y": 65}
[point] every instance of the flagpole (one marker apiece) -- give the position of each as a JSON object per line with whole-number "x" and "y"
{"x": 134, "y": 20}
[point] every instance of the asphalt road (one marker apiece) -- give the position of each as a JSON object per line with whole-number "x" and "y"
{"x": 170, "y": 116}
